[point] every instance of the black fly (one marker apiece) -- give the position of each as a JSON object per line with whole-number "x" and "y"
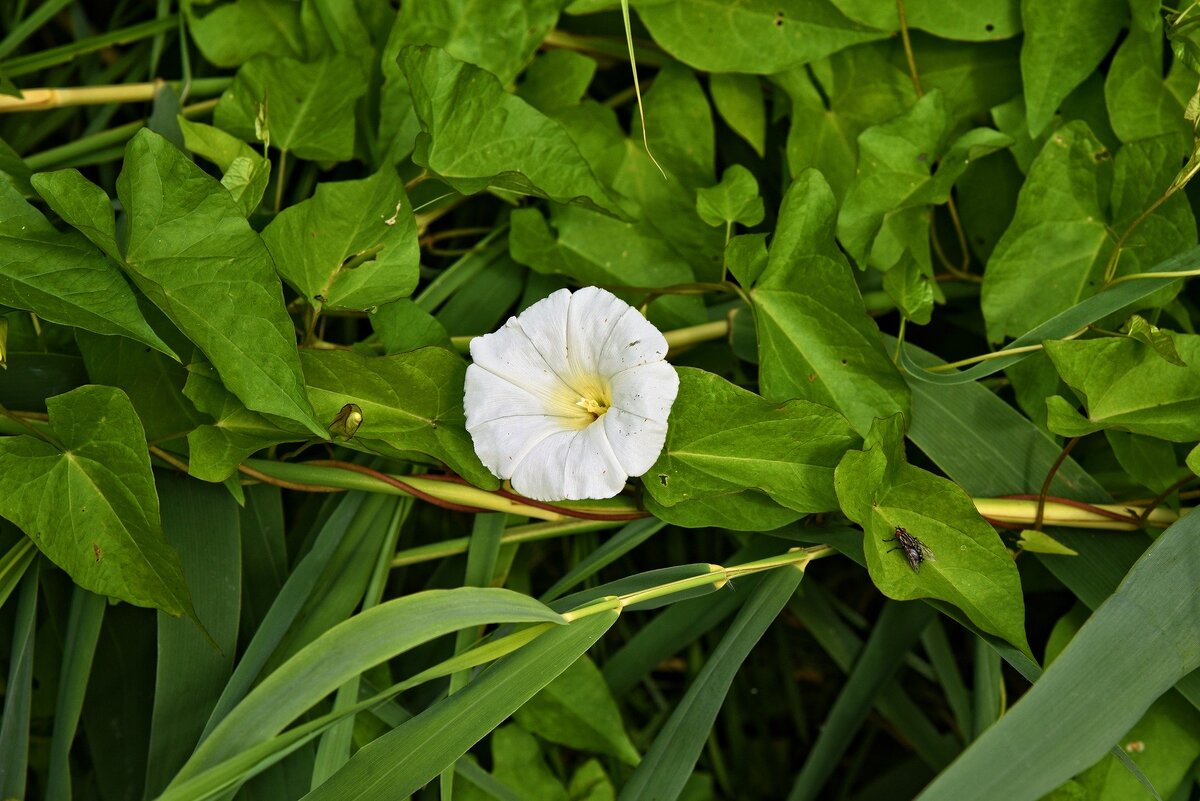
{"x": 914, "y": 550}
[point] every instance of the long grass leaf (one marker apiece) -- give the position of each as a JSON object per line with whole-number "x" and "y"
{"x": 616, "y": 546}
{"x": 672, "y": 757}
{"x": 348, "y": 649}
{"x": 403, "y": 760}
{"x": 201, "y": 521}
{"x": 79, "y": 649}
{"x": 18, "y": 692}
{"x": 287, "y": 606}
{"x": 898, "y": 629}
{"x": 334, "y": 748}
{"x": 1136, "y": 645}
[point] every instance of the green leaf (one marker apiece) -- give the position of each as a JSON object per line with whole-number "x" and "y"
{"x": 153, "y": 383}
{"x": 348, "y": 649}
{"x": 1162, "y": 341}
{"x": 755, "y": 37}
{"x": 591, "y": 783}
{"x": 723, "y": 439}
{"x": 1064, "y": 42}
{"x": 748, "y": 510}
{"x": 977, "y": 21}
{"x": 885, "y": 213}
{"x": 557, "y": 79}
{"x": 81, "y": 204}
{"x": 1041, "y": 542}
{"x": 1137, "y": 644}
{"x": 739, "y": 101}
{"x": 1125, "y": 384}
{"x": 499, "y": 36}
{"x": 746, "y": 258}
{"x": 816, "y": 341}
{"x": 734, "y": 200}
{"x": 1123, "y": 296}
{"x": 191, "y": 251}
{"x": 79, "y": 649}
{"x": 216, "y": 450}
{"x": 404, "y": 759}
{"x": 1055, "y": 249}
{"x": 410, "y": 402}
{"x": 233, "y": 33}
{"x": 672, "y": 757}
{"x": 968, "y": 567}
{"x": 353, "y": 245}
{"x": 245, "y": 172}
{"x": 854, "y": 89}
{"x": 309, "y": 107}
{"x": 106, "y": 532}
{"x": 517, "y": 764}
{"x": 1149, "y": 462}
{"x": 496, "y": 139}
{"x": 18, "y": 691}
{"x": 403, "y": 326}
{"x": 595, "y": 249}
{"x": 61, "y": 277}
{"x": 577, "y": 710}
{"x": 1140, "y": 104}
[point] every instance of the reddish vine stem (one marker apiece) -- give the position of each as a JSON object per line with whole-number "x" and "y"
{"x": 398, "y": 484}
{"x": 1041, "y": 498}
{"x": 1087, "y": 507}
{"x": 1158, "y": 499}
{"x": 511, "y": 496}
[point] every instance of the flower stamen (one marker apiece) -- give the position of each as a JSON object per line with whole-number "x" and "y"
{"x": 593, "y": 407}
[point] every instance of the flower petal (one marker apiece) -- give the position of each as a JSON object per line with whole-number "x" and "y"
{"x": 487, "y": 396}
{"x": 591, "y": 320}
{"x": 636, "y": 441}
{"x": 510, "y": 355}
{"x": 632, "y": 342}
{"x": 646, "y": 391}
{"x": 570, "y": 466}
{"x": 502, "y": 443}
{"x": 545, "y": 326}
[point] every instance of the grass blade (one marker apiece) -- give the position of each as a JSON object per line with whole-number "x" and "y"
{"x": 13, "y": 565}
{"x": 812, "y": 606}
{"x": 348, "y": 649}
{"x": 334, "y": 748}
{"x": 83, "y": 631}
{"x": 403, "y": 760}
{"x": 672, "y": 757}
{"x": 621, "y": 543}
{"x": 201, "y": 521}
{"x": 287, "y": 606}
{"x": 18, "y": 692}
{"x": 1138, "y": 644}
{"x": 893, "y": 636}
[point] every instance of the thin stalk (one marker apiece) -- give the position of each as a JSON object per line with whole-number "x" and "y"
{"x": 55, "y": 156}
{"x": 1109, "y": 517}
{"x": 998, "y": 354}
{"x": 1053, "y": 471}
{"x": 531, "y": 532}
{"x": 908, "y": 50}
{"x": 49, "y": 98}
{"x": 52, "y": 57}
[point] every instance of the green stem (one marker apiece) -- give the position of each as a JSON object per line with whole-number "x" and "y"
{"x": 531, "y": 532}
{"x": 71, "y": 151}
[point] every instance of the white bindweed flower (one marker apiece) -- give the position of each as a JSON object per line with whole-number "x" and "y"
{"x": 571, "y": 397}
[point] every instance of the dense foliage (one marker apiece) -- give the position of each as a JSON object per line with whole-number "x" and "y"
{"x": 918, "y": 528}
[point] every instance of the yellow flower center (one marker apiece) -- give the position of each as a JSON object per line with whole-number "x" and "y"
{"x": 593, "y": 407}
{"x": 588, "y": 398}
